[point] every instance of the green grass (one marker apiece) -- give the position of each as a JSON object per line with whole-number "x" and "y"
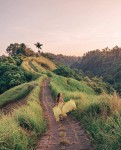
{"x": 15, "y": 93}
{"x": 70, "y": 84}
{"x": 40, "y": 63}
{"x": 100, "y": 114}
{"x": 12, "y": 137}
{"x": 21, "y": 129}
{"x": 18, "y": 92}
{"x": 70, "y": 88}
{"x": 103, "y": 125}
{"x": 37, "y": 66}
{"x": 31, "y": 116}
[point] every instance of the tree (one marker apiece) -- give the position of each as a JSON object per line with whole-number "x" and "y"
{"x": 17, "y": 49}
{"x": 12, "y": 48}
{"x": 68, "y": 72}
{"x": 11, "y": 74}
{"x": 38, "y": 45}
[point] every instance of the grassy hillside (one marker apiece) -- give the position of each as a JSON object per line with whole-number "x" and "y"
{"x": 69, "y": 87}
{"x": 22, "y": 128}
{"x": 15, "y": 93}
{"x": 62, "y": 59}
{"x": 100, "y": 114}
{"x": 37, "y": 64}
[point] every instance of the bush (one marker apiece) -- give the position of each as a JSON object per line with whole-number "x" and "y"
{"x": 12, "y": 75}
{"x": 67, "y": 72}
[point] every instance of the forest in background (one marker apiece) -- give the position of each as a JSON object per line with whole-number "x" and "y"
{"x": 104, "y": 64}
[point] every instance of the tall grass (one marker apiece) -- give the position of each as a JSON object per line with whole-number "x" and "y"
{"x": 71, "y": 85}
{"x": 42, "y": 60}
{"x": 70, "y": 88}
{"x": 15, "y": 93}
{"x": 26, "y": 66}
{"x": 31, "y": 116}
{"x": 100, "y": 114}
{"x": 21, "y": 129}
{"x": 38, "y": 67}
{"x": 41, "y": 63}
{"x": 103, "y": 121}
{"x": 12, "y": 137}
{"x": 18, "y": 92}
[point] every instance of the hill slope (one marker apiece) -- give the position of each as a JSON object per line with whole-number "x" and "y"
{"x": 105, "y": 63}
{"x": 99, "y": 113}
{"x": 37, "y": 64}
{"x": 62, "y": 59}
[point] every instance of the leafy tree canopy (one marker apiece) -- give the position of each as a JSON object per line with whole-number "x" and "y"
{"x": 17, "y": 49}
{"x": 11, "y": 74}
{"x": 105, "y": 63}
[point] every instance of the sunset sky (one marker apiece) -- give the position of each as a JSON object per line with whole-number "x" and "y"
{"x": 70, "y": 27}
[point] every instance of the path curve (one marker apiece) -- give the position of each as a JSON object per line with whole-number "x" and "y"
{"x": 32, "y": 66}
{"x": 64, "y": 135}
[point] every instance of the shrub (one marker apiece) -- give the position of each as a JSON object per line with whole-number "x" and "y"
{"x": 12, "y": 75}
{"x": 67, "y": 72}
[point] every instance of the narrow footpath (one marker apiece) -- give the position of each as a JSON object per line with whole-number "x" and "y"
{"x": 64, "y": 135}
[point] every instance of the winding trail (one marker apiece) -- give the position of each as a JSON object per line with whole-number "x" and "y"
{"x": 32, "y": 66}
{"x": 64, "y": 135}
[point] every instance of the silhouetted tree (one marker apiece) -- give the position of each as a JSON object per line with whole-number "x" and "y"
{"x": 39, "y": 46}
{"x": 12, "y": 48}
{"x": 16, "y": 49}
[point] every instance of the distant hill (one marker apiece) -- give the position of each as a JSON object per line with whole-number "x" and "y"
{"x": 105, "y": 63}
{"x": 62, "y": 59}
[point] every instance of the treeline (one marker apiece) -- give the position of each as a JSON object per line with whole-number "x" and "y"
{"x": 60, "y": 59}
{"x": 19, "y": 49}
{"x": 105, "y": 63}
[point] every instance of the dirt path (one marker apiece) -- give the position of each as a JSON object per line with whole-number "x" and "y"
{"x": 64, "y": 135}
{"x": 32, "y": 66}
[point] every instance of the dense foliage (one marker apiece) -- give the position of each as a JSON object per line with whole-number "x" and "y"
{"x": 98, "y": 85}
{"x": 11, "y": 74}
{"x": 105, "y": 63}
{"x": 17, "y": 49}
{"x": 68, "y": 72}
{"x": 62, "y": 59}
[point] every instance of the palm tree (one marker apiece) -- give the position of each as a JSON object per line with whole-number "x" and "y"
{"x": 38, "y": 45}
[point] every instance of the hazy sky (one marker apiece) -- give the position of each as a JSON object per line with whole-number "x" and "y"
{"x": 70, "y": 27}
